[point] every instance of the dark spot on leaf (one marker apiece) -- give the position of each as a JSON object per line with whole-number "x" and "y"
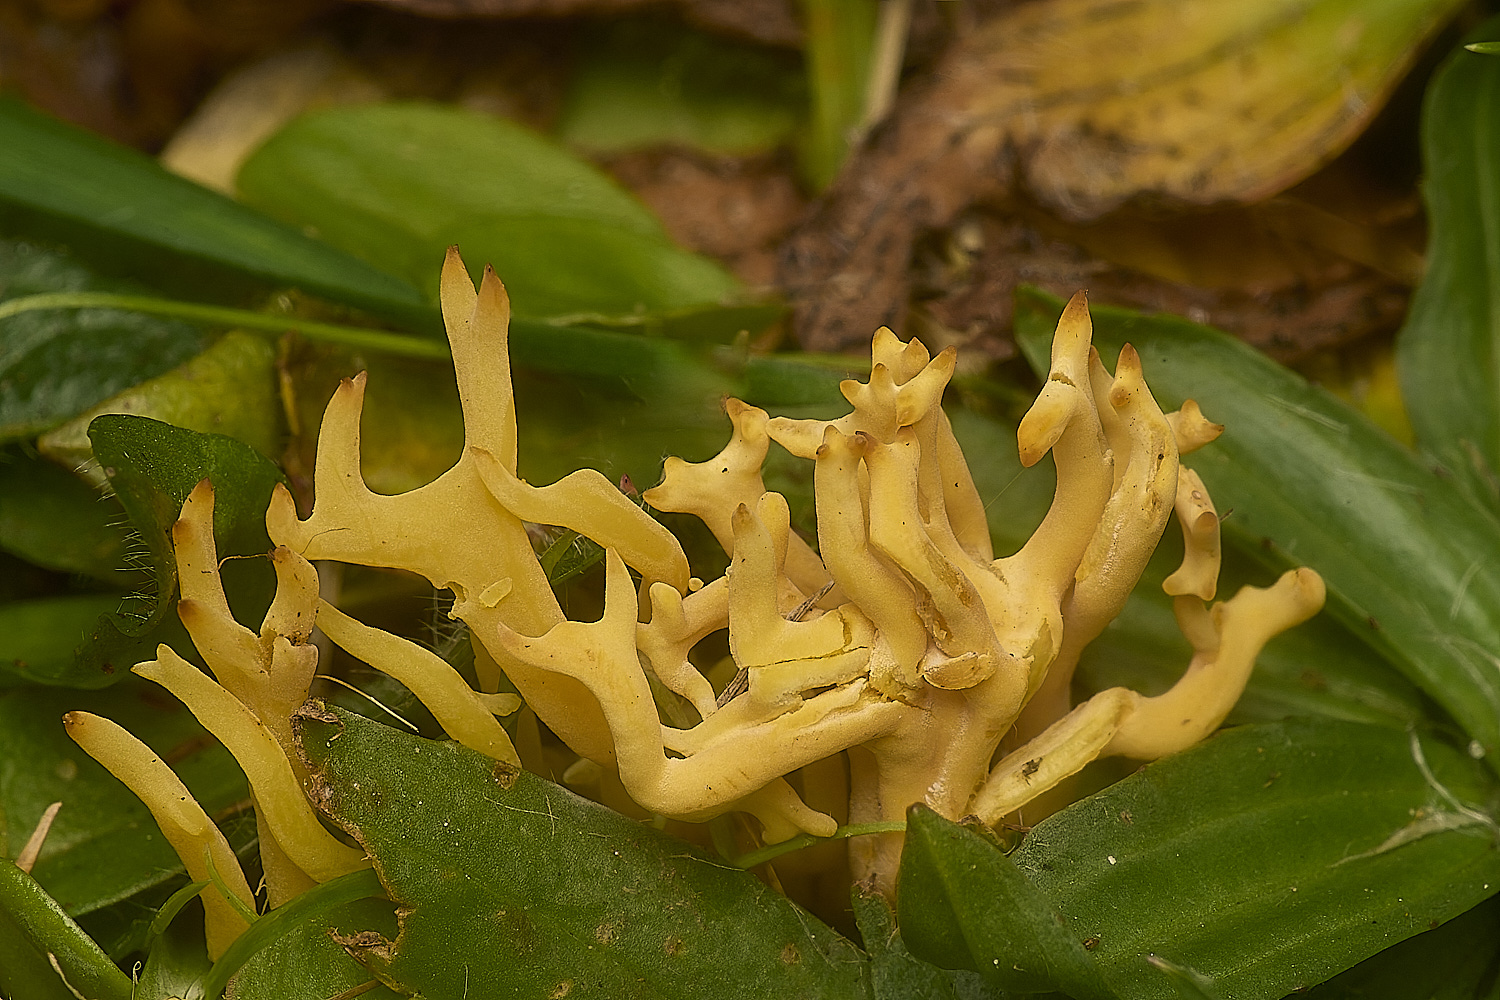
{"x": 1374, "y": 625}
{"x": 505, "y": 775}
{"x": 1090, "y": 943}
{"x": 315, "y": 710}
{"x": 364, "y": 943}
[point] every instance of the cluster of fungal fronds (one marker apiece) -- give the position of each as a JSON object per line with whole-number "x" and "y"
{"x": 901, "y": 637}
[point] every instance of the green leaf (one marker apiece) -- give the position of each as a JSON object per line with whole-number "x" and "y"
{"x": 648, "y": 82}
{"x": 71, "y": 186}
{"x": 178, "y": 960}
{"x": 58, "y": 363}
{"x": 88, "y": 972}
{"x": 333, "y": 900}
{"x": 152, "y": 467}
{"x": 24, "y": 970}
{"x": 51, "y": 518}
{"x": 475, "y": 854}
{"x": 840, "y": 44}
{"x": 39, "y": 639}
{"x": 1267, "y": 859}
{"x": 964, "y": 905}
{"x": 229, "y": 389}
{"x": 1455, "y": 962}
{"x": 1314, "y": 483}
{"x": 1448, "y": 353}
{"x": 398, "y": 183}
{"x": 103, "y": 847}
{"x": 309, "y": 960}
{"x": 895, "y": 974}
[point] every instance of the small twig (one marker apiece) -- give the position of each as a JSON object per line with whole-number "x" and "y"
{"x": 26, "y": 860}
{"x": 740, "y": 682}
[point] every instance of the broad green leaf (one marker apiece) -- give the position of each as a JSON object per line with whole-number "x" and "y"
{"x": 229, "y": 389}
{"x": 64, "y": 184}
{"x": 964, "y": 905}
{"x": 398, "y": 183}
{"x": 1311, "y": 482}
{"x": 104, "y": 846}
{"x": 475, "y": 856}
{"x": 1267, "y": 859}
{"x": 57, "y": 363}
{"x": 1449, "y": 349}
{"x": 51, "y": 518}
{"x": 152, "y": 467}
{"x": 1455, "y": 962}
{"x": 311, "y": 961}
{"x": 649, "y": 82}
{"x": 894, "y": 973}
{"x": 177, "y": 961}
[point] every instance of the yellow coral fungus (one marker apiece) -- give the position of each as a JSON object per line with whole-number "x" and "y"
{"x": 906, "y": 638}
{"x": 943, "y": 671}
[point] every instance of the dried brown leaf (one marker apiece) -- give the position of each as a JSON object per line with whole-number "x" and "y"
{"x": 1088, "y": 104}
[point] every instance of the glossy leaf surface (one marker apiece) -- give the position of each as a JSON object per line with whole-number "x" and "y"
{"x": 1314, "y": 483}
{"x": 399, "y": 183}
{"x": 1457, "y": 961}
{"x": 964, "y": 905}
{"x": 229, "y": 389}
{"x": 476, "y": 856}
{"x": 57, "y": 363}
{"x": 895, "y": 973}
{"x": 1449, "y": 349}
{"x": 73, "y": 186}
{"x": 1354, "y": 848}
{"x": 312, "y": 960}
